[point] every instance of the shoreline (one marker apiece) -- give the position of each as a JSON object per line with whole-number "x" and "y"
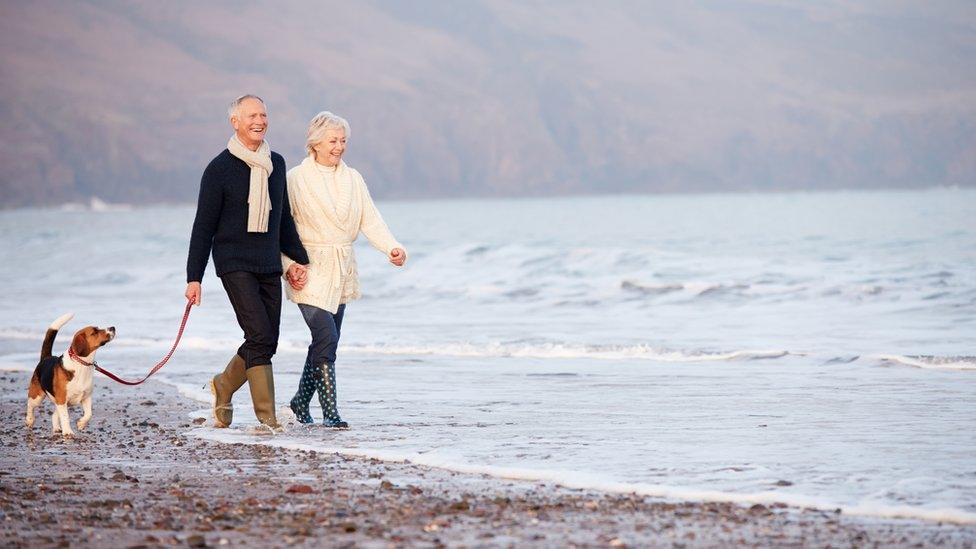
{"x": 561, "y": 480}
{"x": 138, "y": 476}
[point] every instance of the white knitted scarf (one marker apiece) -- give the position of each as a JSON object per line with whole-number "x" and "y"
{"x": 258, "y": 200}
{"x": 315, "y": 182}
{"x": 338, "y": 182}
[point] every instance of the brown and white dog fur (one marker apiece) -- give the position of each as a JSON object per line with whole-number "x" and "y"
{"x": 65, "y": 380}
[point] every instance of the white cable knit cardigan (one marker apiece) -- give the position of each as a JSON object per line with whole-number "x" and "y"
{"x": 328, "y": 228}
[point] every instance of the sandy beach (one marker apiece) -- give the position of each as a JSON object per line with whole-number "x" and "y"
{"x": 138, "y": 477}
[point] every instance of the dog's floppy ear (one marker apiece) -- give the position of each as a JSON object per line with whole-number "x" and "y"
{"x": 80, "y": 344}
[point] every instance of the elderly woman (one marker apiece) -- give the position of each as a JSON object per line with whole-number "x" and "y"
{"x": 331, "y": 206}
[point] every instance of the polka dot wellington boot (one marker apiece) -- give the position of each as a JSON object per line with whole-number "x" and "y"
{"x": 327, "y": 397}
{"x": 306, "y": 388}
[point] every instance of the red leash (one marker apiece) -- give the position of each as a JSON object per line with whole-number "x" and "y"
{"x": 110, "y": 375}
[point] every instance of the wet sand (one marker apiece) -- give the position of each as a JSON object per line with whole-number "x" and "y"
{"x": 134, "y": 478}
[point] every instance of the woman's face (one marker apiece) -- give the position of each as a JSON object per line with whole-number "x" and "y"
{"x": 329, "y": 150}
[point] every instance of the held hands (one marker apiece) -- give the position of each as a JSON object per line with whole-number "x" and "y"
{"x": 297, "y": 276}
{"x": 398, "y": 257}
{"x": 194, "y": 293}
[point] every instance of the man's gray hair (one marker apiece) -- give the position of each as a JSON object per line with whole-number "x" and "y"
{"x": 321, "y": 123}
{"x": 235, "y": 105}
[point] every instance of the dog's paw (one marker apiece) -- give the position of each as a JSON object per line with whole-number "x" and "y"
{"x": 82, "y": 423}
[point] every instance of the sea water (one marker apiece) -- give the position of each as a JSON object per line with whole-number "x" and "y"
{"x": 809, "y": 348}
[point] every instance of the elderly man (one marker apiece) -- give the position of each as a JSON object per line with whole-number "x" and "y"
{"x": 243, "y": 215}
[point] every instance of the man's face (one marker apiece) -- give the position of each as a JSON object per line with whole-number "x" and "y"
{"x": 251, "y": 122}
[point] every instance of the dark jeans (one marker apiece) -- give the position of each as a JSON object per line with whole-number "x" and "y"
{"x": 256, "y": 299}
{"x": 325, "y": 328}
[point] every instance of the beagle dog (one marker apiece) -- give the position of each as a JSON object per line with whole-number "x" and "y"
{"x": 66, "y": 379}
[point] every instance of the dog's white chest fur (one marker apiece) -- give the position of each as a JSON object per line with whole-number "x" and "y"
{"x": 80, "y": 386}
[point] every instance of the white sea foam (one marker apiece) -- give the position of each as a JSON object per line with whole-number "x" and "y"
{"x": 563, "y": 351}
{"x": 201, "y": 343}
{"x": 464, "y": 349}
{"x": 193, "y": 391}
{"x": 577, "y": 480}
{"x": 96, "y": 204}
{"x": 195, "y": 343}
{"x": 752, "y": 289}
{"x": 931, "y": 362}
{"x": 13, "y": 333}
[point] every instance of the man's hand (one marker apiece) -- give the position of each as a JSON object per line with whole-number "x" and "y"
{"x": 398, "y": 256}
{"x": 194, "y": 292}
{"x": 294, "y": 284}
{"x": 297, "y": 276}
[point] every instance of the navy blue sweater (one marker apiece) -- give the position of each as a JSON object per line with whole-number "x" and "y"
{"x": 221, "y": 222}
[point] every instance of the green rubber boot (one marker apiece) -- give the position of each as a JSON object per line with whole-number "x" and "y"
{"x": 222, "y": 387}
{"x": 261, "y": 382}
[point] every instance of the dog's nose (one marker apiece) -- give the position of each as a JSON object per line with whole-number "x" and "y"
{"x": 111, "y": 329}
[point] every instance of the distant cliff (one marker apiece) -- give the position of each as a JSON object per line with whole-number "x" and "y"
{"x": 125, "y": 101}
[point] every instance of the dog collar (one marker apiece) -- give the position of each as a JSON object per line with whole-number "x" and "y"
{"x": 74, "y": 356}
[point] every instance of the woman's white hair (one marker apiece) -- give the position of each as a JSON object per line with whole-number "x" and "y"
{"x": 235, "y": 105}
{"x": 321, "y": 123}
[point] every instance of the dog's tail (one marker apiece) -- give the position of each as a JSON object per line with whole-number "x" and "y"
{"x": 52, "y": 332}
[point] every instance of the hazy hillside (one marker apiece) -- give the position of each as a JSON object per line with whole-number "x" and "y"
{"x": 126, "y": 100}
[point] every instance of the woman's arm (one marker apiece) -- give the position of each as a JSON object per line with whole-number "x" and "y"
{"x": 373, "y": 227}
{"x": 290, "y": 242}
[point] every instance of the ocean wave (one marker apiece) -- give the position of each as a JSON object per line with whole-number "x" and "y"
{"x": 930, "y": 362}
{"x": 465, "y": 349}
{"x": 650, "y": 289}
{"x": 561, "y": 350}
{"x": 584, "y": 481}
{"x": 765, "y": 289}
{"x": 196, "y": 343}
{"x": 695, "y": 288}
{"x": 11, "y": 333}
{"x": 758, "y": 289}
{"x": 96, "y": 204}
{"x": 199, "y": 343}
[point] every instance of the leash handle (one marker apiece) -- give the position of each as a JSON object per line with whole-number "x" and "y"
{"x": 161, "y": 363}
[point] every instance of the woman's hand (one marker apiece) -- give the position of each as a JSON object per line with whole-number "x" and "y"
{"x": 193, "y": 292}
{"x": 398, "y": 257}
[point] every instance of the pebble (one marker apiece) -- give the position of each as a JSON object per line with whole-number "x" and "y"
{"x": 300, "y": 489}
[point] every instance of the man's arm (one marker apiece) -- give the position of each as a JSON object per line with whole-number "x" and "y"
{"x": 209, "y": 205}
